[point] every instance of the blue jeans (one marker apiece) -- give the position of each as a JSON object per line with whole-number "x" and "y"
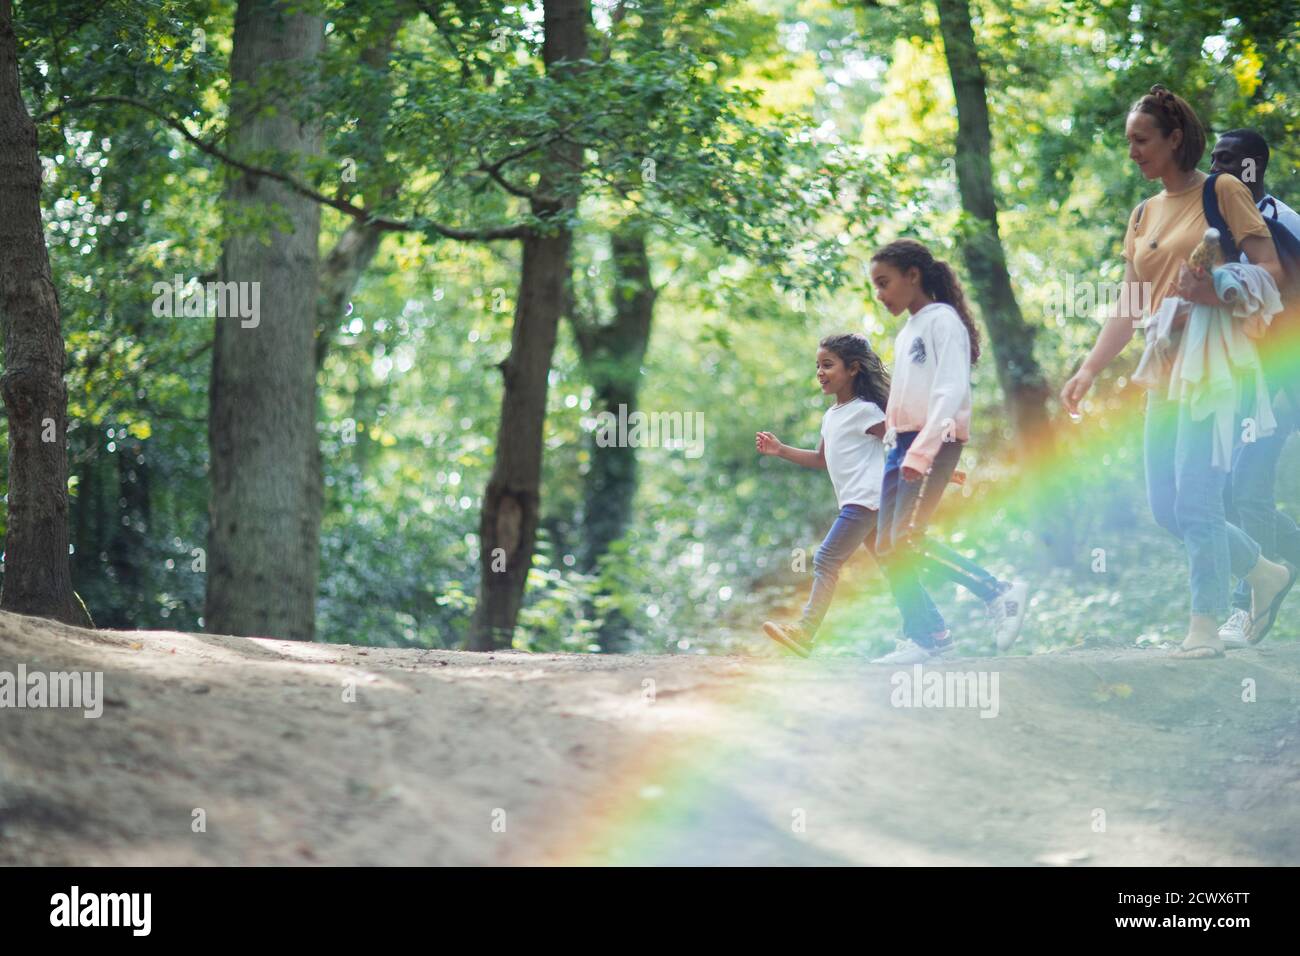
{"x": 1186, "y": 496}
{"x": 854, "y": 527}
{"x": 905, "y": 511}
{"x": 1249, "y": 501}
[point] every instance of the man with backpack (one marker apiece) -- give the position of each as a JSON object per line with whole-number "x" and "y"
{"x": 1249, "y": 497}
{"x": 1244, "y": 153}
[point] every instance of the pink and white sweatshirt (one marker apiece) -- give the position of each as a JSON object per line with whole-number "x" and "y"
{"x": 930, "y": 389}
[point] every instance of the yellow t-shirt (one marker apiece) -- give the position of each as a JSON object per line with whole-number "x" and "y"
{"x": 1172, "y": 225}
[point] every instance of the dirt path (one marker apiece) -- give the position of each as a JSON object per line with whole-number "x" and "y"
{"x": 1099, "y": 757}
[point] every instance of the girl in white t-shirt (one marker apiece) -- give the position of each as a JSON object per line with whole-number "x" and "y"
{"x": 852, "y": 452}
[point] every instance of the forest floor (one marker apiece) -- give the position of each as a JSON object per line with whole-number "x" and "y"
{"x": 223, "y": 750}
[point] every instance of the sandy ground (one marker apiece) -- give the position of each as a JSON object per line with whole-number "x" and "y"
{"x": 1096, "y": 757}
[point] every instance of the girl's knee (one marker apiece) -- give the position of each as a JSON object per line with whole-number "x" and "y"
{"x": 825, "y": 563}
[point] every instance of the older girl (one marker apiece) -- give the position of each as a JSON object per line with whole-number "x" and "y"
{"x": 929, "y": 424}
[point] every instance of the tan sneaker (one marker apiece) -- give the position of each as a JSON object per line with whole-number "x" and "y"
{"x": 790, "y": 636}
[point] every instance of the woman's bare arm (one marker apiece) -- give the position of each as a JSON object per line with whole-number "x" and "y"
{"x": 1114, "y": 335}
{"x": 1261, "y": 252}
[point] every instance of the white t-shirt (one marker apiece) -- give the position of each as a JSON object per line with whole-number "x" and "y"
{"x": 854, "y": 459}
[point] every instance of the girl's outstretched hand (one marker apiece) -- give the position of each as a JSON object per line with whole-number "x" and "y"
{"x": 767, "y": 443}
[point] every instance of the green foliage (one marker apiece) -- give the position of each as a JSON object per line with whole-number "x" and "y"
{"x": 770, "y": 145}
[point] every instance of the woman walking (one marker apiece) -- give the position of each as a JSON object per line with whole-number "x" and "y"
{"x": 1185, "y": 475}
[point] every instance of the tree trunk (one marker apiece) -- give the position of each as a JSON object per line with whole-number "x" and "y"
{"x": 612, "y": 356}
{"x": 342, "y": 269}
{"x": 264, "y": 533}
{"x": 512, "y": 499}
{"x": 1023, "y": 386}
{"x": 38, "y": 578}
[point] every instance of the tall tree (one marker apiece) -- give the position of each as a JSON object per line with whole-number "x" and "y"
{"x": 264, "y": 534}
{"x": 512, "y": 500}
{"x": 38, "y": 578}
{"x": 1019, "y": 374}
{"x": 469, "y": 116}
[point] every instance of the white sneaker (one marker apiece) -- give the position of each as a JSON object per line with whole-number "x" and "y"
{"x": 1233, "y": 631}
{"x": 1007, "y": 612}
{"x": 907, "y": 652}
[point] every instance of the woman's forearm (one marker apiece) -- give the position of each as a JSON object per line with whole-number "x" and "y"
{"x": 1115, "y": 334}
{"x": 1275, "y": 269}
{"x": 1261, "y": 251}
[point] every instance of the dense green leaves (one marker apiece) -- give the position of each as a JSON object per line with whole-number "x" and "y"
{"x": 771, "y": 145}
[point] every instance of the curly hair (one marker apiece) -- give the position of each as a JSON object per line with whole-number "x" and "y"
{"x": 870, "y": 380}
{"x": 937, "y": 279}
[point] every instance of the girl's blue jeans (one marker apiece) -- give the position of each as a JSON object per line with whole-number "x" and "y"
{"x": 854, "y": 527}
{"x": 905, "y": 511}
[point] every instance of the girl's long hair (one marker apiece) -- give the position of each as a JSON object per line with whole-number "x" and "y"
{"x": 870, "y": 381}
{"x": 937, "y": 279}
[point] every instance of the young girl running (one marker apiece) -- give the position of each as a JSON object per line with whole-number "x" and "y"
{"x": 851, "y": 450}
{"x": 929, "y": 421}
